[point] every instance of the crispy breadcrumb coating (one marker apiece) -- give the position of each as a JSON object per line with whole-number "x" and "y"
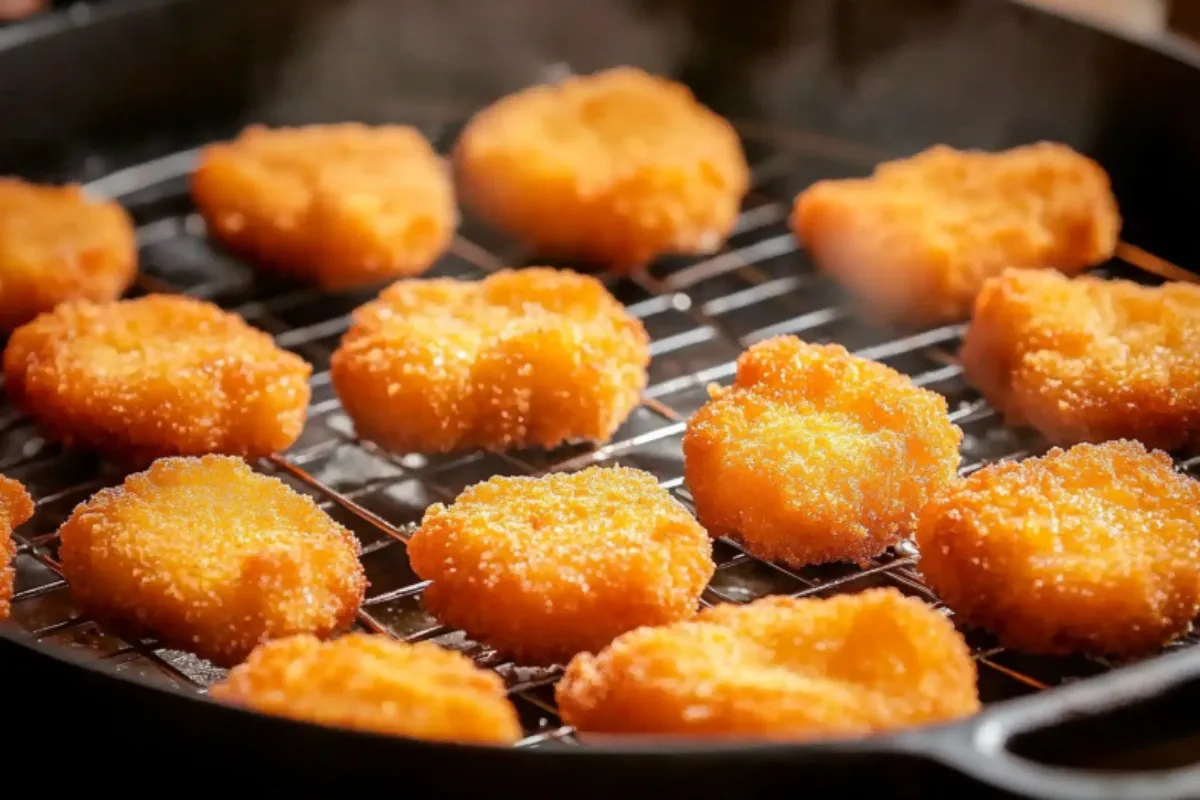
{"x": 208, "y": 556}
{"x": 342, "y": 205}
{"x": 816, "y": 455}
{"x": 156, "y": 376}
{"x": 778, "y": 668}
{"x": 370, "y": 682}
{"x": 543, "y": 568}
{"x": 614, "y": 168}
{"x": 1095, "y": 549}
{"x": 56, "y": 244}
{"x": 917, "y": 239}
{"x": 16, "y": 508}
{"x": 532, "y": 357}
{"x": 1089, "y": 360}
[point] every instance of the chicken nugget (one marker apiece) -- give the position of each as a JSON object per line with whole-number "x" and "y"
{"x": 916, "y": 240}
{"x": 372, "y": 683}
{"x": 778, "y": 668}
{"x": 614, "y": 169}
{"x": 1095, "y": 549}
{"x": 532, "y": 357}
{"x": 1089, "y": 360}
{"x": 206, "y": 555}
{"x": 156, "y": 376}
{"x": 16, "y": 508}
{"x": 816, "y": 455}
{"x": 56, "y": 244}
{"x": 341, "y": 205}
{"x": 543, "y": 568}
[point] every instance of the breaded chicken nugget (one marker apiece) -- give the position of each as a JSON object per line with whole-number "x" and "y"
{"x": 614, "y": 168}
{"x": 778, "y": 668}
{"x": 56, "y": 244}
{"x": 341, "y": 205}
{"x": 917, "y": 239}
{"x": 156, "y": 376}
{"x": 816, "y": 455}
{"x": 1095, "y": 549}
{"x": 522, "y": 358}
{"x": 1089, "y": 360}
{"x": 16, "y": 508}
{"x": 373, "y": 683}
{"x": 543, "y": 568}
{"x": 208, "y": 556}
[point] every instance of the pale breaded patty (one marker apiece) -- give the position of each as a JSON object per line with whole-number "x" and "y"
{"x": 815, "y": 455}
{"x": 1095, "y": 549}
{"x": 1089, "y": 360}
{"x": 916, "y": 240}
{"x": 614, "y": 168}
{"x": 208, "y": 556}
{"x": 16, "y": 508}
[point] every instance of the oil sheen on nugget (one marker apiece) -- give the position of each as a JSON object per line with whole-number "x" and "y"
{"x": 373, "y": 683}
{"x": 778, "y": 668}
{"x": 543, "y": 568}
{"x": 208, "y": 556}
{"x": 524, "y": 358}
{"x": 816, "y": 455}
{"x": 16, "y": 508}
{"x": 1095, "y": 549}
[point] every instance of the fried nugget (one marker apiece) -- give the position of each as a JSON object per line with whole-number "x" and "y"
{"x": 816, "y": 455}
{"x": 778, "y": 668}
{"x": 543, "y": 568}
{"x": 614, "y": 168}
{"x": 1095, "y": 549}
{"x": 206, "y": 555}
{"x": 16, "y": 508}
{"x": 156, "y": 376}
{"x": 917, "y": 239}
{"x": 1089, "y": 360}
{"x": 522, "y": 358}
{"x": 56, "y": 244}
{"x": 372, "y": 683}
{"x": 341, "y": 205}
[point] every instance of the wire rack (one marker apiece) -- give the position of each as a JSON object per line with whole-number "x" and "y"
{"x": 700, "y": 313}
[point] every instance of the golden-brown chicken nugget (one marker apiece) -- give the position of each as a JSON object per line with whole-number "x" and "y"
{"x": 206, "y": 555}
{"x": 917, "y": 239}
{"x": 778, "y": 668}
{"x": 56, "y": 244}
{"x": 370, "y": 682}
{"x": 816, "y": 455}
{"x": 532, "y": 357}
{"x": 342, "y": 205}
{"x": 1095, "y": 549}
{"x": 156, "y": 376}
{"x": 614, "y": 168}
{"x": 543, "y": 568}
{"x": 16, "y": 508}
{"x": 1089, "y": 360}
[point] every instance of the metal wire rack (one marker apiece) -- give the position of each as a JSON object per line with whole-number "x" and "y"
{"x": 700, "y": 313}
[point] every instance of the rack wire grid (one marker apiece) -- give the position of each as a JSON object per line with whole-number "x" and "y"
{"x": 700, "y": 312}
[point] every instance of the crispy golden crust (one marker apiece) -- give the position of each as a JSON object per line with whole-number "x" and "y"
{"x": 815, "y": 455}
{"x": 370, "y": 682}
{"x": 1089, "y": 360}
{"x": 208, "y": 556}
{"x": 56, "y": 244}
{"x": 534, "y": 357}
{"x": 917, "y": 239}
{"x": 156, "y": 376}
{"x": 16, "y": 508}
{"x": 1096, "y": 549}
{"x": 778, "y": 668}
{"x": 543, "y": 568}
{"x": 341, "y": 205}
{"x": 613, "y": 168}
